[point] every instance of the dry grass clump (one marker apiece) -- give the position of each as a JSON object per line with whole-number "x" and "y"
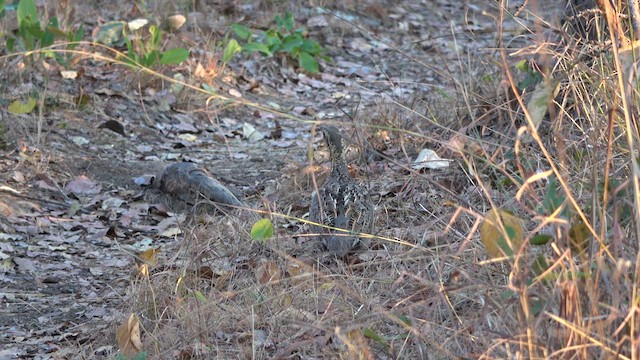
{"x": 566, "y": 174}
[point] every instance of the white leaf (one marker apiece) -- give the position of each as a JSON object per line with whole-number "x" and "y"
{"x": 137, "y": 24}
{"x": 430, "y": 160}
{"x": 69, "y": 74}
{"x": 250, "y": 133}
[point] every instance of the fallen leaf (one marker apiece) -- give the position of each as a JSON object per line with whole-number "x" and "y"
{"x": 69, "y": 74}
{"x": 128, "y": 336}
{"x": 137, "y": 24}
{"x": 150, "y": 256}
{"x": 428, "y": 158}
{"x": 19, "y": 107}
{"x": 538, "y": 105}
{"x": 249, "y": 132}
{"x": 268, "y": 272}
{"x": 496, "y": 242}
{"x": 83, "y": 186}
{"x": 175, "y": 22}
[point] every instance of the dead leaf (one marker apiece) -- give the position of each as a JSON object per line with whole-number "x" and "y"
{"x": 69, "y": 74}
{"x": 83, "y": 186}
{"x": 175, "y": 22}
{"x": 249, "y": 132}
{"x": 430, "y": 160}
{"x": 496, "y": 242}
{"x": 543, "y": 94}
{"x": 579, "y": 236}
{"x": 150, "y": 256}
{"x": 137, "y": 24}
{"x": 268, "y": 272}
{"x": 128, "y": 336}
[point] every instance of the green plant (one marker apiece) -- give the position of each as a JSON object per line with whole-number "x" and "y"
{"x": 531, "y": 76}
{"x": 262, "y": 230}
{"x": 143, "y": 52}
{"x": 148, "y": 53}
{"x": 282, "y": 39}
{"x": 32, "y": 35}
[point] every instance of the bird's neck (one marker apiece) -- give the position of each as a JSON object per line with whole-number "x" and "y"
{"x": 339, "y": 165}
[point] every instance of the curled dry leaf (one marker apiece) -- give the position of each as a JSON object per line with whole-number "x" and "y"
{"x": 69, "y": 74}
{"x": 175, "y": 22}
{"x": 128, "y": 336}
{"x": 137, "y": 24}
{"x": 430, "y": 160}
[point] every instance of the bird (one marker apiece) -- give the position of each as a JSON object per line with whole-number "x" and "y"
{"x": 340, "y": 202}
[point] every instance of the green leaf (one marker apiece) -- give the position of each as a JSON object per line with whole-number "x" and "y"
{"x": 505, "y": 245}
{"x": 142, "y": 355}
{"x": 308, "y": 63}
{"x": 200, "y": 297}
{"x": 369, "y": 333}
{"x": 19, "y": 107}
{"x": 78, "y": 34}
{"x": 111, "y": 34}
{"x": 242, "y": 32}
{"x": 272, "y": 40}
{"x": 291, "y": 42}
{"x": 287, "y": 23}
{"x": 231, "y": 49}
{"x": 530, "y": 80}
{"x": 539, "y": 265}
{"x": 312, "y": 47}
{"x": 174, "y": 56}
{"x": 31, "y": 29}
{"x": 255, "y": 47}
{"x": 27, "y": 13}
{"x": 11, "y": 44}
{"x": 208, "y": 88}
{"x": 50, "y": 32}
{"x": 552, "y": 199}
{"x": 155, "y": 37}
{"x": 151, "y": 58}
{"x": 523, "y": 65}
{"x": 541, "y": 239}
{"x": 405, "y": 319}
{"x": 74, "y": 37}
{"x": 262, "y": 230}
{"x": 47, "y": 39}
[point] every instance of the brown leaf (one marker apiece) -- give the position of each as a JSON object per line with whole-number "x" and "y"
{"x": 150, "y": 256}
{"x": 496, "y": 242}
{"x": 83, "y": 186}
{"x": 268, "y": 272}
{"x": 128, "y": 336}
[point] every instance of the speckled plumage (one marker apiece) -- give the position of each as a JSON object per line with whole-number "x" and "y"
{"x": 340, "y": 202}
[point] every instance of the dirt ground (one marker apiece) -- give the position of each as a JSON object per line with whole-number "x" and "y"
{"x": 400, "y": 78}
